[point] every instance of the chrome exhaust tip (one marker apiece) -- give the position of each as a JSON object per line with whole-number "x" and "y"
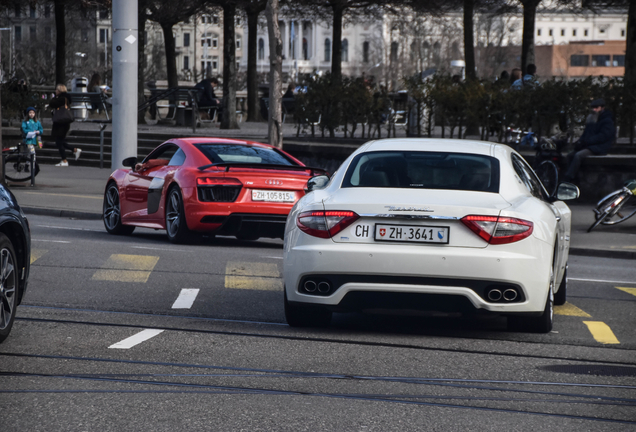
{"x": 510, "y": 295}
{"x": 324, "y": 287}
{"x": 310, "y": 286}
{"x": 494, "y": 295}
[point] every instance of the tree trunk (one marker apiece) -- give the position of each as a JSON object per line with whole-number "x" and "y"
{"x": 253, "y": 114}
{"x": 141, "y": 47}
{"x": 627, "y": 128}
{"x": 228, "y": 121}
{"x": 469, "y": 39}
{"x": 527, "y": 42}
{"x": 336, "y": 44}
{"x": 171, "y": 57}
{"x": 275, "y": 131}
{"x": 60, "y": 43}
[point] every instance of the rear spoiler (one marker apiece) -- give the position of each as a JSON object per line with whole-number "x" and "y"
{"x": 314, "y": 171}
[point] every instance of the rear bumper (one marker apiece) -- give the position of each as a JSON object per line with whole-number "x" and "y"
{"x": 374, "y": 269}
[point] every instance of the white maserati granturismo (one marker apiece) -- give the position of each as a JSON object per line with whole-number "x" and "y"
{"x": 429, "y": 224}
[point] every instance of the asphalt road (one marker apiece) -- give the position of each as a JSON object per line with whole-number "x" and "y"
{"x": 114, "y": 335}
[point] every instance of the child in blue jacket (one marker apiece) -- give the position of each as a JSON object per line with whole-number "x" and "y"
{"x": 32, "y": 124}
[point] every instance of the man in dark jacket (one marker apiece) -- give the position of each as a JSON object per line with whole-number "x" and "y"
{"x": 207, "y": 99}
{"x": 599, "y": 135}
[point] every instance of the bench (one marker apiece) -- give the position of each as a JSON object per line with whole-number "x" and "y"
{"x": 88, "y": 101}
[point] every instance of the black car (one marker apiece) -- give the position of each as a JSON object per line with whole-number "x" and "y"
{"x": 15, "y": 259}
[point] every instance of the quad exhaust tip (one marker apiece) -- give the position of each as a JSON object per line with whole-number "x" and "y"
{"x": 324, "y": 287}
{"x": 510, "y": 295}
{"x": 310, "y": 286}
{"x": 494, "y": 295}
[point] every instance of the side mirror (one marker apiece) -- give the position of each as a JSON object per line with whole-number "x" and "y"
{"x": 317, "y": 182}
{"x": 129, "y": 162}
{"x": 567, "y": 191}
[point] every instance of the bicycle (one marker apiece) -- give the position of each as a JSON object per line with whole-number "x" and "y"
{"x": 20, "y": 163}
{"x": 549, "y": 161}
{"x": 616, "y": 207}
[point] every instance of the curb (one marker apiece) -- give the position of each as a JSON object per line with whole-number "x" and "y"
{"x": 603, "y": 253}
{"x": 73, "y": 214}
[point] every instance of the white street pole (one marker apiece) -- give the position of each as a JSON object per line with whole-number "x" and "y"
{"x": 125, "y": 63}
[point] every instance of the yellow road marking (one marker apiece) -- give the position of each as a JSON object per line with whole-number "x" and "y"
{"x": 570, "y": 310}
{"x": 256, "y": 276}
{"x": 631, "y": 291}
{"x": 37, "y": 253}
{"x": 127, "y": 268}
{"x": 601, "y": 332}
{"x": 65, "y": 195}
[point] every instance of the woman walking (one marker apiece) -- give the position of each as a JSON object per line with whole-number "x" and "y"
{"x": 59, "y": 129}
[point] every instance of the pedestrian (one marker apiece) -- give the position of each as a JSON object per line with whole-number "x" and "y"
{"x": 59, "y": 130}
{"x": 529, "y": 79}
{"x": 207, "y": 98}
{"x": 598, "y": 137}
{"x": 32, "y": 128}
{"x": 95, "y": 84}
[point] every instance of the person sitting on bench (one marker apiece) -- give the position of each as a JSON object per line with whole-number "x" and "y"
{"x": 207, "y": 99}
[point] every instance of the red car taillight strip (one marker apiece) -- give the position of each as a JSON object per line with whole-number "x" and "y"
{"x": 498, "y": 229}
{"x": 325, "y": 224}
{"x": 214, "y": 181}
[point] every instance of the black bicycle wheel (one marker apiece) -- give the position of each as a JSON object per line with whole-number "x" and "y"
{"x": 604, "y": 208}
{"x": 548, "y": 173}
{"x": 17, "y": 168}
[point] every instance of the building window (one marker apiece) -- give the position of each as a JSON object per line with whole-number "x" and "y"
{"x": 327, "y": 50}
{"x": 618, "y": 61}
{"x": 538, "y": 32}
{"x": 47, "y": 11}
{"x": 580, "y": 60}
{"x": 238, "y": 43}
{"x": 186, "y": 62}
{"x": 551, "y": 32}
{"x": 394, "y": 52}
{"x": 18, "y": 33}
{"x": 103, "y": 14}
{"x": 586, "y": 32}
{"x": 215, "y": 63}
{"x": 601, "y": 30}
{"x": 345, "y": 50}
{"x": 186, "y": 40}
{"x": 365, "y": 52}
{"x": 32, "y": 12}
{"x": 32, "y": 33}
{"x": 601, "y": 60}
{"x": 573, "y": 32}
{"x": 261, "y": 49}
{"x": 18, "y": 11}
{"x": 622, "y": 32}
{"x": 562, "y": 32}
{"x": 103, "y": 35}
{"x": 47, "y": 33}
{"x": 215, "y": 43}
{"x": 85, "y": 35}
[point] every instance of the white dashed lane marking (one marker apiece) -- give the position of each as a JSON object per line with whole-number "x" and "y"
{"x": 186, "y": 298}
{"x": 136, "y": 339}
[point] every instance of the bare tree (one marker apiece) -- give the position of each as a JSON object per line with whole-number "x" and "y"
{"x": 253, "y": 8}
{"x": 527, "y": 41}
{"x": 275, "y": 130}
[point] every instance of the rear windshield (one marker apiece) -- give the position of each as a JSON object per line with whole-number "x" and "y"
{"x": 235, "y": 153}
{"x": 424, "y": 170}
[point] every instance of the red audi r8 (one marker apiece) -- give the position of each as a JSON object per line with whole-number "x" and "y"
{"x": 206, "y": 185}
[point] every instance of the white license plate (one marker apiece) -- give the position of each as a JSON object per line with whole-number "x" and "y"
{"x": 273, "y": 196}
{"x": 411, "y": 233}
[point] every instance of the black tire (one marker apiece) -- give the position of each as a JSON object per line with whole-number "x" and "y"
{"x": 306, "y": 316}
{"x": 561, "y": 294}
{"x": 548, "y": 173}
{"x": 17, "y": 168}
{"x": 537, "y": 324}
{"x": 8, "y": 286}
{"x": 111, "y": 212}
{"x": 176, "y": 225}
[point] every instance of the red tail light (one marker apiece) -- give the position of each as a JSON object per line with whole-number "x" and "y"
{"x": 498, "y": 229}
{"x": 325, "y": 224}
{"x": 214, "y": 181}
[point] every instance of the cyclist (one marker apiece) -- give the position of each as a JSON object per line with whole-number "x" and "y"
{"x": 33, "y": 125}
